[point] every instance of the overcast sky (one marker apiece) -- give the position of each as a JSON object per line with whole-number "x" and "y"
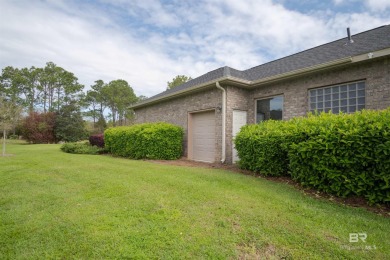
{"x": 148, "y": 42}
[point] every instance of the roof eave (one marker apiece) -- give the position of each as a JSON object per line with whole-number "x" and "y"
{"x": 224, "y": 79}
{"x": 252, "y": 84}
{"x": 302, "y": 71}
{"x": 322, "y": 66}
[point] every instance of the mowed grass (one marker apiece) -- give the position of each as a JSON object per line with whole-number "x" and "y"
{"x": 58, "y": 205}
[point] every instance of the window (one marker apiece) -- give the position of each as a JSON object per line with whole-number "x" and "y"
{"x": 347, "y": 98}
{"x": 270, "y": 108}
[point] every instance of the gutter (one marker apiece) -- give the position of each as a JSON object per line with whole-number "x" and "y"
{"x": 223, "y": 121}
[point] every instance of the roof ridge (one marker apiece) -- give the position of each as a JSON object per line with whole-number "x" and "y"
{"x": 226, "y": 71}
{"x": 324, "y": 44}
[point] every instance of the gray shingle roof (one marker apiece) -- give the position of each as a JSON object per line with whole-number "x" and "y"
{"x": 364, "y": 42}
{"x": 368, "y": 41}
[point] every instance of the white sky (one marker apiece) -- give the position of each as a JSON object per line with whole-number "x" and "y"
{"x": 148, "y": 42}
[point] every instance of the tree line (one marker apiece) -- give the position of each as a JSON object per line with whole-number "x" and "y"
{"x": 42, "y": 94}
{"x": 48, "y": 104}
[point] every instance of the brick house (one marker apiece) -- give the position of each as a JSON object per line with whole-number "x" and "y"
{"x": 347, "y": 75}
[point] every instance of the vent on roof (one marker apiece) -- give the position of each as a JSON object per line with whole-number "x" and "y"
{"x": 349, "y": 36}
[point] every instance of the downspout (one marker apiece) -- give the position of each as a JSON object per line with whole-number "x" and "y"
{"x": 223, "y": 121}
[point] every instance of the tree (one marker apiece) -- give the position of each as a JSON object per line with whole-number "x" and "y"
{"x": 95, "y": 101}
{"x": 69, "y": 124}
{"x": 11, "y": 84}
{"x": 9, "y": 114}
{"x": 177, "y": 81}
{"x": 49, "y": 87}
{"x": 57, "y": 87}
{"x": 30, "y": 89}
{"x": 142, "y": 97}
{"x": 100, "y": 97}
{"x": 39, "y": 127}
{"x": 119, "y": 96}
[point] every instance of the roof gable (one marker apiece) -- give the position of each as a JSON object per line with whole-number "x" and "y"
{"x": 365, "y": 42}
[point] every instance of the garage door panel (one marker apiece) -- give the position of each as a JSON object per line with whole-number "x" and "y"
{"x": 203, "y": 136}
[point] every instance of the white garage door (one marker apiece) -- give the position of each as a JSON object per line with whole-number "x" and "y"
{"x": 203, "y": 136}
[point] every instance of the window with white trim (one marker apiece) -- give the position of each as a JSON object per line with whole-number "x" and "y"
{"x": 269, "y": 108}
{"x": 347, "y": 98}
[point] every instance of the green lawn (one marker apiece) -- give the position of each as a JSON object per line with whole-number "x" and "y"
{"x": 58, "y": 205}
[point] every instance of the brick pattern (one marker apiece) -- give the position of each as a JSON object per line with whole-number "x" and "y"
{"x": 376, "y": 73}
{"x": 176, "y": 111}
{"x": 237, "y": 99}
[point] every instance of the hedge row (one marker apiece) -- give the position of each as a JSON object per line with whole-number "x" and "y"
{"x": 341, "y": 154}
{"x": 145, "y": 141}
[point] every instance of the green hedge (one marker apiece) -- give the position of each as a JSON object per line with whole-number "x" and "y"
{"x": 341, "y": 154}
{"x": 145, "y": 141}
{"x": 261, "y": 148}
{"x": 349, "y": 155}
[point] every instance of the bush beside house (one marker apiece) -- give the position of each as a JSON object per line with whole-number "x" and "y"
{"x": 340, "y": 154}
{"x": 145, "y": 141}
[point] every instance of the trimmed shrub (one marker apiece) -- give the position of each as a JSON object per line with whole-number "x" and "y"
{"x": 145, "y": 141}
{"x": 97, "y": 140}
{"x": 341, "y": 154}
{"x": 263, "y": 147}
{"x": 350, "y": 154}
{"x": 80, "y": 148}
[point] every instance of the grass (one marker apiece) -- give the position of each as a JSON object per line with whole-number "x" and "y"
{"x": 59, "y": 205}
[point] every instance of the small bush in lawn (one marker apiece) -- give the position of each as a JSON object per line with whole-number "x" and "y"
{"x": 80, "y": 148}
{"x": 145, "y": 141}
{"x": 97, "y": 140}
{"x": 13, "y": 137}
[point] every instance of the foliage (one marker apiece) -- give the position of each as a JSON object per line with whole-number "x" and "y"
{"x": 49, "y": 88}
{"x": 346, "y": 154}
{"x": 95, "y": 101}
{"x": 69, "y": 124}
{"x": 111, "y": 208}
{"x": 39, "y": 127}
{"x": 119, "y": 96}
{"x": 80, "y": 148}
{"x": 9, "y": 114}
{"x": 150, "y": 141}
{"x": 177, "y": 81}
{"x": 263, "y": 147}
{"x": 97, "y": 140}
{"x": 13, "y": 137}
{"x": 142, "y": 98}
{"x": 343, "y": 154}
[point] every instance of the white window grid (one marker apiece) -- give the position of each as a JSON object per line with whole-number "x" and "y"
{"x": 347, "y": 98}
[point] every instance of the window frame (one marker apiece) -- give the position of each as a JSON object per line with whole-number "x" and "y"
{"x": 264, "y": 98}
{"x": 330, "y": 92}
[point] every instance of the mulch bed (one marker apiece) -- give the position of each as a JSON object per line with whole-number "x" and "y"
{"x": 353, "y": 201}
